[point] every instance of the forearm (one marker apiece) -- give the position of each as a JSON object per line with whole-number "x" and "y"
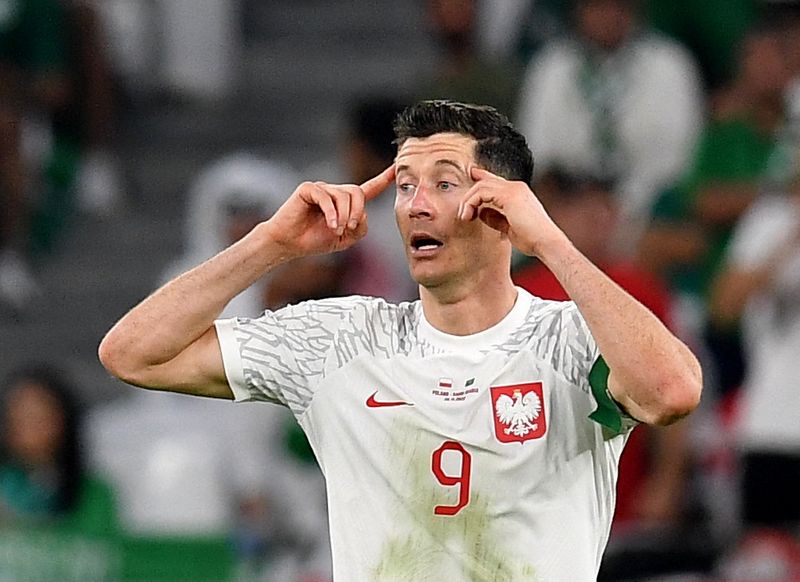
{"x": 653, "y": 374}
{"x": 734, "y": 287}
{"x": 670, "y": 455}
{"x": 175, "y": 316}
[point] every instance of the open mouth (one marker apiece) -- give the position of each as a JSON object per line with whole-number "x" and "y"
{"x": 424, "y": 242}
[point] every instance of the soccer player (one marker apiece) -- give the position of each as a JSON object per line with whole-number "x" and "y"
{"x": 471, "y": 435}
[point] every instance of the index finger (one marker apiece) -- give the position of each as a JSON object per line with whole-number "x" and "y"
{"x": 379, "y": 183}
{"x": 480, "y": 174}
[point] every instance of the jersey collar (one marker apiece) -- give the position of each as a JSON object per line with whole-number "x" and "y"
{"x": 494, "y": 335}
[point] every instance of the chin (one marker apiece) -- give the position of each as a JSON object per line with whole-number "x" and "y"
{"x": 426, "y": 278}
{"x": 431, "y": 278}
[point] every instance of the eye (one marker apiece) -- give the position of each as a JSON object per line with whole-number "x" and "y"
{"x": 405, "y": 188}
{"x": 445, "y": 186}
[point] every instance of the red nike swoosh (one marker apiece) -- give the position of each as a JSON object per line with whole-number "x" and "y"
{"x": 372, "y": 403}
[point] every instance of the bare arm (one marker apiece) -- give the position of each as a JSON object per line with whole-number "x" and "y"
{"x": 661, "y": 495}
{"x": 654, "y": 376}
{"x": 168, "y": 341}
{"x": 734, "y": 286}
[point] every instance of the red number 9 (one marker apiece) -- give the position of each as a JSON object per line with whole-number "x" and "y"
{"x": 462, "y": 479}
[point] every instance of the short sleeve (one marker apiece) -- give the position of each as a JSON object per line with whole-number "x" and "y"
{"x": 573, "y": 348}
{"x": 280, "y": 357}
{"x": 579, "y": 360}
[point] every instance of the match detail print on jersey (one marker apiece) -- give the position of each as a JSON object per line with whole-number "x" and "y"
{"x": 518, "y": 412}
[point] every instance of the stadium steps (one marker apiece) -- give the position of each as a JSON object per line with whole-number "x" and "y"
{"x": 303, "y": 61}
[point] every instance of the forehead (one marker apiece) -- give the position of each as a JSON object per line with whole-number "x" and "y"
{"x": 417, "y": 151}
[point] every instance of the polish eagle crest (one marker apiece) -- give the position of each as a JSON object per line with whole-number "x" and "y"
{"x": 518, "y": 412}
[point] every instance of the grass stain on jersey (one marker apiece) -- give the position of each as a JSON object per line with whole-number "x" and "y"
{"x": 422, "y": 552}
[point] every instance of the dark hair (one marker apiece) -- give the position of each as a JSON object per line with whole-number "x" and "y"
{"x": 371, "y": 120}
{"x": 501, "y": 149}
{"x": 69, "y": 460}
{"x": 570, "y": 183}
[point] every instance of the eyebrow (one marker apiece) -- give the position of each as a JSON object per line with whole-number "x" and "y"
{"x": 442, "y": 162}
{"x": 452, "y": 163}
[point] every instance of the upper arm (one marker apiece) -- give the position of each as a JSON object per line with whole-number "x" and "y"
{"x": 197, "y": 370}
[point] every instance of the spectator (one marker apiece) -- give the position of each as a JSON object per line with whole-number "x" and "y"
{"x": 33, "y": 84}
{"x": 693, "y": 220}
{"x": 43, "y": 478}
{"x": 792, "y": 42}
{"x": 86, "y": 124}
{"x": 654, "y": 469}
{"x": 712, "y": 30}
{"x": 759, "y": 284}
{"x": 242, "y": 482}
{"x": 377, "y": 264}
{"x": 501, "y": 26}
{"x": 613, "y": 100}
{"x": 56, "y": 114}
{"x": 787, "y": 15}
{"x": 462, "y": 72}
{"x": 225, "y": 201}
{"x": 173, "y": 475}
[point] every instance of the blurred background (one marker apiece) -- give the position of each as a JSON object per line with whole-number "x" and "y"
{"x": 140, "y": 137}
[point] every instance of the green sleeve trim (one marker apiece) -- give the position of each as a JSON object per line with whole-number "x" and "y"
{"x": 607, "y": 412}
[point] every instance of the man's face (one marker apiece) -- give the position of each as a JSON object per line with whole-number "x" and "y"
{"x": 35, "y": 423}
{"x": 606, "y": 23}
{"x": 433, "y": 175}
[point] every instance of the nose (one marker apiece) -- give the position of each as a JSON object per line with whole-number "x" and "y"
{"x": 420, "y": 205}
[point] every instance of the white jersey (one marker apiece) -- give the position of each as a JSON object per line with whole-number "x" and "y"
{"x": 458, "y": 458}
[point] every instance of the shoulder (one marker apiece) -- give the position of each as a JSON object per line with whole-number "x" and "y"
{"x": 556, "y": 335}
{"x": 663, "y": 50}
{"x": 556, "y": 56}
{"x": 371, "y": 319}
{"x": 549, "y": 321}
{"x": 354, "y": 307}
{"x": 559, "y": 325}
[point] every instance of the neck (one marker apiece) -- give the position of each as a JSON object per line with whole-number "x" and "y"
{"x": 469, "y": 308}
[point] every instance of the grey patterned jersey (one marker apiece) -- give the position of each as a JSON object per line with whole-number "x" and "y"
{"x": 446, "y": 457}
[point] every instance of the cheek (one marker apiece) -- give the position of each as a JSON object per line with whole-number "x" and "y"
{"x": 35, "y": 435}
{"x": 400, "y": 217}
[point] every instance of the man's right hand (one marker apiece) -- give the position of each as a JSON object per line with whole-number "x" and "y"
{"x": 169, "y": 342}
{"x": 322, "y": 218}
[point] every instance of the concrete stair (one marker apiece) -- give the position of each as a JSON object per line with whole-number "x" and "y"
{"x": 302, "y": 62}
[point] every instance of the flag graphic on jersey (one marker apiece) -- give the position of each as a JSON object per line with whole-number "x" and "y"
{"x": 445, "y": 383}
{"x": 518, "y": 412}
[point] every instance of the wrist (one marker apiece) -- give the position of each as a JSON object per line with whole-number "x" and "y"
{"x": 268, "y": 244}
{"x": 554, "y": 250}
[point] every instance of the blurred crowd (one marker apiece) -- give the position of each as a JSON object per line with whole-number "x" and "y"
{"x": 666, "y": 138}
